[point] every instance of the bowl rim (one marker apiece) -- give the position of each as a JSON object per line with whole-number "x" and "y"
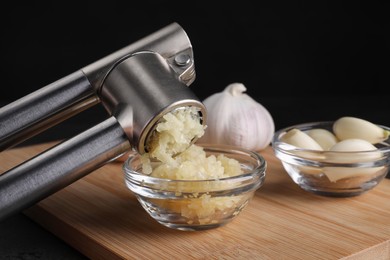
{"x": 259, "y": 170}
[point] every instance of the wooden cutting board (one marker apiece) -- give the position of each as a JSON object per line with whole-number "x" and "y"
{"x": 101, "y": 218}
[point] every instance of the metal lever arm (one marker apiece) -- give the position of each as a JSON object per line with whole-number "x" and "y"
{"x": 72, "y": 94}
{"x": 137, "y": 85}
{"x": 54, "y": 169}
{"x": 44, "y": 108}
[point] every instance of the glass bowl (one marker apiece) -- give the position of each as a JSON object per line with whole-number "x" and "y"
{"x": 193, "y": 205}
{"x": 331, "y": 173}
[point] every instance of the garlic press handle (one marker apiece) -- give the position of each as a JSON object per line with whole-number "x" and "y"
{"x": 137, "y": 85}
{"x": 80, "y": 90}
{"x": 61, "y": 165}
{"x": 44, "y": 108}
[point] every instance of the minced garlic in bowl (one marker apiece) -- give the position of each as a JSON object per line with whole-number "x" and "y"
{"x": 187, "y": 186}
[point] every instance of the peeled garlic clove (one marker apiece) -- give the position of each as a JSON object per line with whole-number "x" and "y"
{"x": 300, "y": 139}
{"x": 323, "y": 137}
{"x": 234, "y": 118}
{"x": 352, "y": 145}
{"x": 352, "y": 127}
{"x": 338, "y": 173}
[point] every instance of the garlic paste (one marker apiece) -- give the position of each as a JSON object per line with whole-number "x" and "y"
{"x": 180, "y": 159}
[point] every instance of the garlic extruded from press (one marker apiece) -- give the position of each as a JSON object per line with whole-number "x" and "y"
{"x": 351, "y": 127}
{"x": 235, "y": 118}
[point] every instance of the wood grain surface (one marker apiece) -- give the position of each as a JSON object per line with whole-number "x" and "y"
{"x": 102, "y": 219}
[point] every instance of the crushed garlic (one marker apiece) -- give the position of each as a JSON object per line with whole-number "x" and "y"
{"x": 171, "y": 145}
{"x": 181, "y": 160}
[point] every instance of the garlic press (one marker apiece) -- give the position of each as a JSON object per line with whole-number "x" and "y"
{"x": 137, "y": 85}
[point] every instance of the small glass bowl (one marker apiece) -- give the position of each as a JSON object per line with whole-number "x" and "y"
{"x": 193, "y": 205}
{"x": 336, "y": 174}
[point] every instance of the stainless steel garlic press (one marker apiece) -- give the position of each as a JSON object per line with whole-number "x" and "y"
{"x": 137, "y": 85}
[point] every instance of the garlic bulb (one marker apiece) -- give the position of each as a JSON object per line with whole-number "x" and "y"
{"x": 235, "y": 118}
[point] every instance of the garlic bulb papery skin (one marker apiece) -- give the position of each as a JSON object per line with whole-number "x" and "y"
{"x": 235, "y": 118}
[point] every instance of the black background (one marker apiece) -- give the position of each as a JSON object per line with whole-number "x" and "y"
{"x": 303, "y": 60}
